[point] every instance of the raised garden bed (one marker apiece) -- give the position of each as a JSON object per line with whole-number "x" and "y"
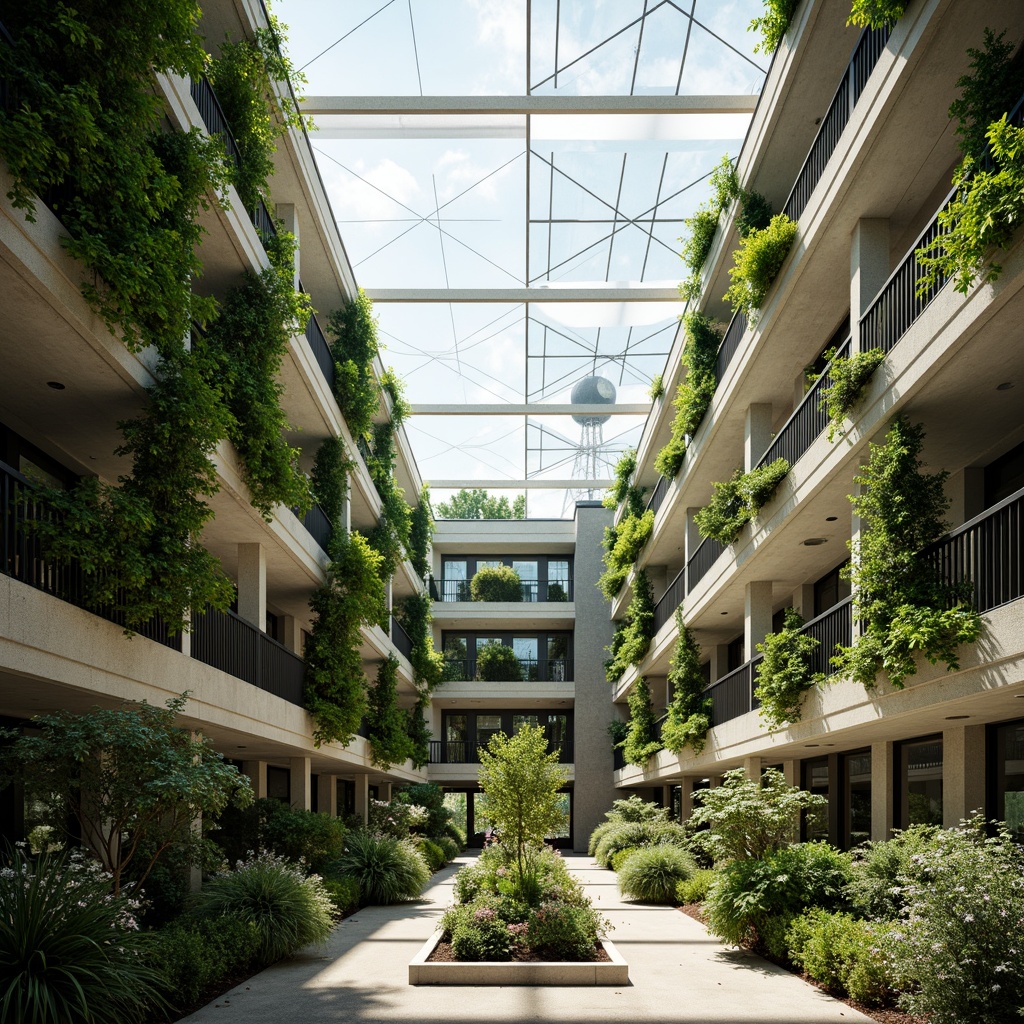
{"x": 424, "y": 971}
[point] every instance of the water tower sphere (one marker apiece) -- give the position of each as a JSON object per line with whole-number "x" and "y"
{"x": 593, "y": 391}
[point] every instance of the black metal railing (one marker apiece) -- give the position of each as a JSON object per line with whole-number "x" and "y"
{"x": 400, "y": 638}
{"x": 730, "y": 344}
{"x": 530, "y": 591}
{"x": 654, "y": 502}
{"x": 318, "y": 526}
{"x": 23, "y": 557}
{"x": 528, "y": 670}
{"x": 467, "y": 751}
{"x": 865, "y": 56}
{"x": 225, "y": 641}
{"x": 701, "y": 561}
{"x": 733, "y": 694}
{"x": 673, "y": 597}
{"x": 833, "y": 628}
{"x": 808, "y": 421}
{"x": 321, "y": 349}
{"x": 987, "y": 552}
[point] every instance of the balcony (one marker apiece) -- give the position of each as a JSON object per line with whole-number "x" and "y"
{"x": 531, "y": 670}
{"x": 467, "y": 752}
{"x": 531, "y": 591}
{"x": 400, "y": 638}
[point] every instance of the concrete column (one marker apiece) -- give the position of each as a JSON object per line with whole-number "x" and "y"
{"x": 757, "y": 434}
{"x": 719, "y": 660}
{"x": 384, "y": 790}
{"x": 252, "y": 584}
{"x": 803, "y": 600}
{"x": 869, "y": 268}
{"x": 791, "y": 769}
{"x": 687, "y": 803}
{"x": 363, "y": 797}
{"x": 693, "y": 537}
{"x": 286, "y": 213}
{"x": 257, "y": 772}
{"x": 752, "y": 767}
{"x": 186, "y": 636}
{"x": 963, "y": 772}
{"x": 301, "y": 784}
{"x": 327, "y": 794}
{"x": 658, "y": 575}
{"x": 966, "y": 493}
{"x": 757, "y": 615}
{"x": 291, "y": 634}
{"x": 882, "y": 782}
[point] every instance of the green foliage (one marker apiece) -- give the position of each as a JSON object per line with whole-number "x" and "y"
{"x": 353, "y": 596}
{"x": 69, "y": 949}
{"x": 750, "y": 819}
{"x": 498, "y": 663}
{"x": 286, "y": 909}
{"x": 849, "y": 379}
{"x": 758, "y": 261}
{"x": 905, "y": 606}
{"x": 755, "y": 213}
{"x": 957, "y": 953}
{"x": 885, "y": 867}
{"x": 754, "y": 900}
{"x": 432, "y": 853}
{"x": 132, "y": 780}
{"x": 478, "y": 504}
{"x": 689, "y": 712}
{"x": 623, "y": 490}
{"x": 244, "y": 77}
{"x": 619, "y": 857}
{"x": 427, "y": 664}
{"x": 983, "y": 215}
{"x": 696, "y": 888}
{"x": 344, "y": 893}
{"x": 633, "y": 638}
{"x": 622, "y": 545}
{"x": 773, "y": 24}
{"x": 421, "y": 530}
{"x": 565, "y": 931}
{"x": 784, "y": 673}
{"x": 702, "y": 225}
{"x": 876, "y": 13}
{"x": 388, "y": 870}
{"x": 386, "y": 722}
{"x": 641, "y": 742}
{"x": 652, "y": 874}
{"x": 394, "y": 387}
{"x": 253, "y": 331}
{"x": 738, "y": 500}
{"x": 611, "y": 838}
{"x": 694, "y": 392}
{"x": 329, "y": 482}
{"x": 635, "y": 808}
{"x": 521, "y": 781}
{"x": 657, "y": 388}
{"x": 987, "y": 92}
{"x": 841, "y": 953}
{"x": 496, "y": 583}
{"x": 354, "y": 349}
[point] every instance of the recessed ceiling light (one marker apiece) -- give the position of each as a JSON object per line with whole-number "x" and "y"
{"x": 955, "y": 718}
{"x": 831, "y": 519}
{"x": 813, "y": 542}
{"x": 241, "y": 748}
{"x": 812, "y": 744}
{"x": 723, "y": 613}
{"x": 56, "y": 385}
{"x": 1005, "y": 386}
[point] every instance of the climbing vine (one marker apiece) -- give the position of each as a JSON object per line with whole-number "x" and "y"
{"x": 427, "y": 664}
{"x": 701, "y": 226}
{"x": 756, "y": 264}
{"x": 784, "y": 673}
{"x": 329, "y": 479}
{"x": 624, "y": 490}
{"x": 689, "y": 712}
{"x": 354, "y": 349}
{"x": 738, "y": 500}
{"x": 623, "y": 544}
{"x": 876, "y": 13}
{"x": 386, "y": 723}
{"x": 695, "y": 391}
{"x": 633, "y": 638}
{"x": 772, "y": 24}
{"x": 421, "y": 530}
{"x": 904, "y": 605}
{"x": 849, "y": 378}
{"x": 641, "y": 742}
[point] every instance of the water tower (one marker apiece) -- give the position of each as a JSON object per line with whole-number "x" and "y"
{"x": 589, "y": 463}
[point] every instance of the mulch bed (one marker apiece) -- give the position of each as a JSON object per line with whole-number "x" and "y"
{"x": 443, "y": 953}
{"x": 884, "y": 1015}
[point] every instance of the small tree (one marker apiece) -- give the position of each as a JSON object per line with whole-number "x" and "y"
{"x": 521, "y": 781}
{"x": 478, "y": 504}
{"x": 133, "y": 780}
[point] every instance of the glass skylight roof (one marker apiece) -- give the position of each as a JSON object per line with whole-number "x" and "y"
{"x": 484, "y": 200}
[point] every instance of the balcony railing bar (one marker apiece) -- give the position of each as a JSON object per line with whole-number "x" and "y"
{"x": 467, "y": 751}
{"x": 318, "y": 526}
{"x": 400, "y": 638}
{"x": 654, "y": 502}
{"x": 531, "y": 591}
{"x": 531, "y": 670}
{"x": 702, "y": 560}
{"x": 673, "y": 597}
{"x": 730, "y": 344}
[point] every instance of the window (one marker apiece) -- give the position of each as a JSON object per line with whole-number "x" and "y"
{"x": 816, "y": 780}
{"x": 526, "y": 651}
{"x": 1008, "y": 780}
{"x": 279, "y": 784}
{"x": 920, "y": 782}
{"x": 857, "y": 798}
{"x": 543, "y": 578}
{"x": 465, "y": 732}
{"x": 528, "y": 578}
{"x": 830, "y": 590}
{"x": 559, "y": 584}
{"x": 544, "y": 657}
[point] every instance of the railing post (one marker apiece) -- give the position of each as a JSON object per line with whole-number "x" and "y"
{"x": 869, "y": 270}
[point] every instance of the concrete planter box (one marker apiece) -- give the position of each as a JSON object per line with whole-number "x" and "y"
{"x": 612, "y": 972}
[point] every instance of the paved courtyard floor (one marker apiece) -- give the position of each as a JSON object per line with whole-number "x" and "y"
{"x": 678, "y": 974}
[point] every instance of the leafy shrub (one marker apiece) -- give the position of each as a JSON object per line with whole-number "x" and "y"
{"x": 297, "y": 835}
{"x": 753, "y": 901}
{"x": 689, "y": 712}
{"x": 430, "y": 796}
{"x": 635, "y": 808}
{"x": 695, "y": 889}
{"x": 484, "y": 937}
{"x": 849, "y": 378}
{"x": 344, "y": 893}
{"x": 748, "y": 819}
{"x": 755, "y": 215}
{"x": 772, "y": 24}
{"x": 619, "y": 857}
{"x": 961, "y": 940}
{"x": 632, "y": 639}
{"x": 496, "y": 583}
{"x": 636, "y": 834}
{"x": 449, "y": 847}
{"x": 69, "y": 950}
{"x": 622, "y": 547}
{"x": 701, "y": 226}
{"x": 497, "y": 663}
{"x": 757, "y": 263}
{"x": 738, "y": 500}
{"x": 652, "y": 874}
{"x": 641, "y": 742}
{"x": 565, "y": 931}
{"x": 432, "y": 853}
{"x": 657, "y": 388}
{"x": 286, "y": 909}
{"x": 388, "y": 870}
{"x": 876, "y": 13}
{"x": 784, "y": 673}
{"x": 877, "y": 888}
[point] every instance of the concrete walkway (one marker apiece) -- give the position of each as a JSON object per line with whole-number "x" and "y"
{"x": 678, "y": 975}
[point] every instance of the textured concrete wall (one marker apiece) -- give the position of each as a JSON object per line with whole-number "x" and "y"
{"x": 594, "y": 789}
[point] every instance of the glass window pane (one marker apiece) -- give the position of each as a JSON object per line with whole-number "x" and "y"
{"x": 858, "y": 799}
{"x": 528, "y": 578}
{"x": 454, "y": 570}
{"x": 455, "y": 585}
{"x": 521, "y": 720}
{"x": 922, "y": 783}
{"x": 816, "y": 781}
{"x": 486, "y": 727}
{"x": 526, "y": 648}
{"x": 491, "y": 564}
{"x": 1010, "y": 776}
{"x": 558, "y": 580}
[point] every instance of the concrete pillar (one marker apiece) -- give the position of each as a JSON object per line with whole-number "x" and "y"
{"x": 803, "y": 600}
{"x": 327, "y": 794}
{"x": 791, "y": 769}
{"x": 882, "y": 784}
{"x": 286, "y": 213}
{"x": 186, "y": 636}
{"x": 658, "y": 575}
{"x": 966, "y": 493}
{"x": 963, "y": 772}
{"x": 301, "y": 784}
{"x": 693, "y": 537}
{"x": 252, "y": 584}
{"x": 719, "y": 660}
{"x": 385, "y": 790}
{"x": 687, "y": 804}
{"x": 757, "y": 434}
{"x": 752, "y": 767}
{"x": 757, "y": 615}
{"x": 257, "y": 772}
{"x": 291, "y": 634}
{"x": 363, "y": 797}
{"x": 869, "y": 269}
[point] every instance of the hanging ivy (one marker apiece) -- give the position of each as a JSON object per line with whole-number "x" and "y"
{"x": 633, "y": 638}
{"x": 419, "y": 733}
{"x": 427, "y": 664}
{"x": 876, "y": 13}
{"x": 624, "y": 490}
{"x": 784, "y": 673}
{"x": 657, "y": 389}
{"x": 354, "y": 349}
{"x": 622, "y": 546}
{"x": 695, "y": 391}
{"x": 904, "y": 605}
{"x": 849, "y": 378}
{"x": 701, "y": 226}
{"x": 689, "y": 713}
{"x": 421, "y": 531}
{"x": 738, "y": 500}
{"x": 329, "y": 480}
{"x": 756, "y": 264}
{"x": 641, "y": 742}
{"x": 386, "y": 723}
{"x": 772, "y": 25}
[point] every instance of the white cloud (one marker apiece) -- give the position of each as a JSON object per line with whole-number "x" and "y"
{"x": 377, "y": 197}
